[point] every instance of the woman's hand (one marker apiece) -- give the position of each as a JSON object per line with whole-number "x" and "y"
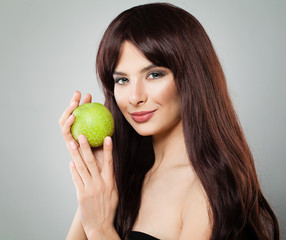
{"x": 96, "y": 190}
{"x": 93, "y": 176}
{"x": 67, "y": 119}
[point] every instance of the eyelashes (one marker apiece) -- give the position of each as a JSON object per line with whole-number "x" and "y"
{"x": 121, "y": 81}
{"x": 152, "y": 75}
{"x": 155, "y": 75}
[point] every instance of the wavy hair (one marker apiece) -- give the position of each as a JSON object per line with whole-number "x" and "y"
{"x": 218, "y": 151}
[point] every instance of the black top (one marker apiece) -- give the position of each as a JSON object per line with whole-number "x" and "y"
{"x": 134, "y": 235}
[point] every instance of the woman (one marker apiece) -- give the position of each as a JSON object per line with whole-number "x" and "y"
{"x": 178, "y": 165}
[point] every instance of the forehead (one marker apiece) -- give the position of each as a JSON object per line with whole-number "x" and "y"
{"x": 131, "y": 58}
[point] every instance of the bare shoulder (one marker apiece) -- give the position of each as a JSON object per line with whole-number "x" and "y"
{"x": 196, "y": 214}
{"x": 174, "y": 206}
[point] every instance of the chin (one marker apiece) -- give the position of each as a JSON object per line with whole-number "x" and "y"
{"x": 144, "y": 133}
{"x": 142, "y": 130}
{"x": 145, "y": 130}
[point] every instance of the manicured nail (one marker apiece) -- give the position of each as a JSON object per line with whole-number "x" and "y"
{"x": 82, "y": 139}
{"x": 73, "y": 145}
{"x": 107, "y": 140}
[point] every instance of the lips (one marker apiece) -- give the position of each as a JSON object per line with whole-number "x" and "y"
{"x": 142, "y": 116}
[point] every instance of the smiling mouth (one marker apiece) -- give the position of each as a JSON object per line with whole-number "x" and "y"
{"x": 143, "y": 116}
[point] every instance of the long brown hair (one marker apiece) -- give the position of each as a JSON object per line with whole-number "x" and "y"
{"x": 171, "y": 37}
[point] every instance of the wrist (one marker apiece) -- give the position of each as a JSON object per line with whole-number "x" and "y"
{"x": 109, "y": 234}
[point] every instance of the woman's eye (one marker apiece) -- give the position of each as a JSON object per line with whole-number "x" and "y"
{"x": 121, "y": 81}
{"x": 155, "y": 75}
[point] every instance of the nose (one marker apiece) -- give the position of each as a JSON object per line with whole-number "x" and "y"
{"x": 137, "y": 95}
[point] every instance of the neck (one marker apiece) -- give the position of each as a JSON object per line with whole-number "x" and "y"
{"x": 169, "y": 148}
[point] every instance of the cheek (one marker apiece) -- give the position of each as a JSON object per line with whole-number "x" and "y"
{"x": 120, "y": 98}
{"x": 166, "y": 93}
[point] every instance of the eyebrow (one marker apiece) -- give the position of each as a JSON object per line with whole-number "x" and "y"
{"x": 141, "y": 71}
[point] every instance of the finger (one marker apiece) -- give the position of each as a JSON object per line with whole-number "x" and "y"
{"x": 76, "y": 97}
{"x": 107, "y": 168}
{"x": 66, "y": 129}
{"x": 88, "y": 156}
{"x": 76, "y": 177}
{"x": 98, "y": 154}
{"x": 68, "y": 111}
{"x": 87, "y": 98}
{"x": 79, "y": 163}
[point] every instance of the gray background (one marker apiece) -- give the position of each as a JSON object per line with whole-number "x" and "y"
{"x": 47, "y": 51}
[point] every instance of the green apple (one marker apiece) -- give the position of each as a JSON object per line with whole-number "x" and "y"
{"x": 94, "y": 121}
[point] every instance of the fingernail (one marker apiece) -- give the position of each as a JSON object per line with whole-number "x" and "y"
{"x": 75, "y": 93}
{"x": 107, "y": 140}
{"x": 72, "y": 164}
{"x": 82, "y": 139}
{"x": 73, "y": 146}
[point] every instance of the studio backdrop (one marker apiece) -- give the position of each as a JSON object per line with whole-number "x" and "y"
{"x": 47, "y": 52}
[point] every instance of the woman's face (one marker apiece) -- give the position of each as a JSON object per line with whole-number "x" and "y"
{"x": 146, "y": 94}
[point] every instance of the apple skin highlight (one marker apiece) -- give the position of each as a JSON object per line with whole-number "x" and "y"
{"x": 94, "y": 121}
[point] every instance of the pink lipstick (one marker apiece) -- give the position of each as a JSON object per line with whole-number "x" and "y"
{"x": 143, "y": 116}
